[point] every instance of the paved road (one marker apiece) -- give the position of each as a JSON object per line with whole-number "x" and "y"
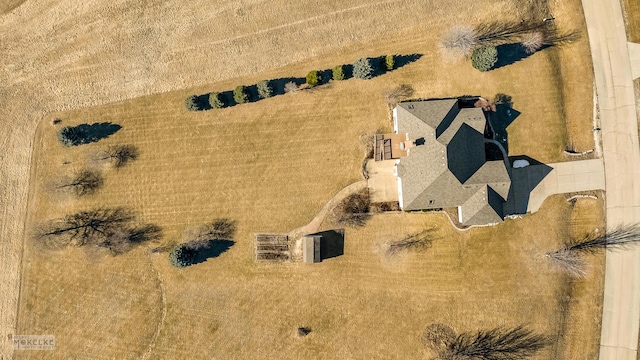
{"x": 614, "y": 86}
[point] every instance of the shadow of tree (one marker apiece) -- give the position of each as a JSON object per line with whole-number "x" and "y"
{"x": 212, "y": 249}
{"x": 85, "y": 133}
{"x": 509, "y": 54}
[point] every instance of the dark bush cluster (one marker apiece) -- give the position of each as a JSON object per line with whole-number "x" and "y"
{"x": 85, "y": 133}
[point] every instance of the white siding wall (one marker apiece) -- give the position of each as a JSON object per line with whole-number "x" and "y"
{"x": 395, "y": 120}
{"x": 400, "y": 192}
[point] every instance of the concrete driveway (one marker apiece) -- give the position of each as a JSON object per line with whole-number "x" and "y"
{"x": 567, "y": 177}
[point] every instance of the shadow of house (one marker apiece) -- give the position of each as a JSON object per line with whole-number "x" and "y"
{"x": 523, "y": 181}
{"x": 499, "y": 121}
{"x": 323, "y": 245}
{"x": 213, "y": 249}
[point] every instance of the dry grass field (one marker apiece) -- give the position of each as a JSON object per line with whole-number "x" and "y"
{"x": 271, "y": 165}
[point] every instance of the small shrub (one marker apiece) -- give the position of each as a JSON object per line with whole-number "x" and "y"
{"x": 215, "y": 101}
{"x": 338, "y": 72}
{"x": 290, "y": 87}
{"x": 363, "y": 68}
{"x": 532, "y": 42}
{"x": 354, "y": 209}
{"x": 484, "y": 58}
{"x": 57, "y": 121}
{"x": 240, "y": 94}
{"x": 191, "y": 103}
{"x": 264, "y": 89}
{"x": 313, "y": 78}
{"x": 389, "y": 62}
{"x": 182, "y": 256}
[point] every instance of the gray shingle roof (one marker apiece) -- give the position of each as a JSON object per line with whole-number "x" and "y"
{"x": 448, "y": 166}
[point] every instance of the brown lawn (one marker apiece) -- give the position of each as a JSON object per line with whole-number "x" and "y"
{"x": 271, "y": 165}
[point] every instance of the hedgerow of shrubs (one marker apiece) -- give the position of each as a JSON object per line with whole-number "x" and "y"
{"x": 215, "y": 101}
{"x": 240, "y": 94}
{"x": 338, "y": 72}
{"x": 264, "y": 89}
{"x": 363, "y": 69}
{"x": 313, "y": 78}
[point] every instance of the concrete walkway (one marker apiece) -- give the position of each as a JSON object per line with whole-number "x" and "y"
{"x": 383, "y": 186}
{"x": 614, "y": 86}
{"x": 566, "y": 177}
{"x": 634, "y": 57}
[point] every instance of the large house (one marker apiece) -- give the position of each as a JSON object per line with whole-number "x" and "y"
{"x": 439, "y": 150}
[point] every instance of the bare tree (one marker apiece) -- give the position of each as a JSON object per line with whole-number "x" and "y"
{"x": 120, "y": 155}
{"x": 85, "y": 227}
{"x": 572, "y": 262}
{"x": 419, "y": 241}
{"x": 83, "y": 183}
{"x": 107, "y": 228}
{"x": 395, "y": 95}
{"x": 458, "y": 42}
{"x": 221, "y": 228}
{"x": 353, "y": 210}
{"x": 532, "y": 41}
{"x": 505, "y": 32}
{"x": 570, "y": 258}
{"x": 496, "y": 344}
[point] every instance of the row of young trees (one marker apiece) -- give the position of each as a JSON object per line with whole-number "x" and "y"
{"x": 363, "y": 68}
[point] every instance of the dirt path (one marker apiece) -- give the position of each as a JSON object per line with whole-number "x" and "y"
{"x": 314, "y": 225}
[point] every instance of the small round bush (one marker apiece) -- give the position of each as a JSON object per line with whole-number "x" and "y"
{"x": 313, "y": 78}
{"x": 191, "y": 103}
{"x": 389, "y": 62}
{"x": 240, "y": 94}
{"x": 181, "y": 256}
{"x": 264, "y": 89}
{"x": 72, "y": 135}
{"x": 484, "y": 58}
{"x": 338, "y": 72}
{"x": 363, "y": 68}
{"x": 215, "y": 101}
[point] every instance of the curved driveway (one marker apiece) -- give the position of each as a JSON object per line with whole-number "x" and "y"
{"x": 614, "y": 85}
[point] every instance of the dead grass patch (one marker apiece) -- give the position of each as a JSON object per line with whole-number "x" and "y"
{"x": 271, "y": 166}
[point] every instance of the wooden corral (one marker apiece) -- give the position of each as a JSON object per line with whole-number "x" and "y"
{"x": 272, "y": 247}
